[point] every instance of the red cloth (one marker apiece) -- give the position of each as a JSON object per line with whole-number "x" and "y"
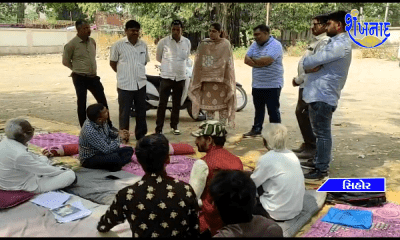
{"x": 10, "y": 198}
{"x": 217, "y": 158}
{"x": 70, "y": 149}
{"x": 182, "y": 149}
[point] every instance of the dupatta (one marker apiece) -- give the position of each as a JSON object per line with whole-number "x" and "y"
{"x": 214, "y": 63}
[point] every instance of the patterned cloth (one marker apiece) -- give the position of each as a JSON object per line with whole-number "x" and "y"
{"x": 95, "y": 139}
{"x": 270, "y": 76}
{"x": 214, "y": 97}
{"x": 156, "y": 206}
{"x": 214, "y": 64}
{"x": 385, "y": 223}
{"x": 210, "y": 128}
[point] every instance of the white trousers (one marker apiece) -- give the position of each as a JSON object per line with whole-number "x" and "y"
{"x": 63, "y": 180}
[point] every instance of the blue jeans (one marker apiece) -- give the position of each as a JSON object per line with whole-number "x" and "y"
{"x": 321, "y": 118}
{"x": 266, "y": 97}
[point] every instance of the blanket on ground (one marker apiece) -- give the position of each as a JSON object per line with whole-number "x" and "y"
{"x": 313, "y": 202}
{"x": 385, "y": 223}
{"x": 31, "y": 220}
{"x": 97, "y": 185}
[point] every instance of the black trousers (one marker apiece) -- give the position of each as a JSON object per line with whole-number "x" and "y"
{"x": 303, "y": 118}
{"x": 165, "y": 91}
{"x": 266, "y": 97}
{"x": 125, "y": 101}
{"x": 82, "y": 85}
{"x": 113, "y": 161}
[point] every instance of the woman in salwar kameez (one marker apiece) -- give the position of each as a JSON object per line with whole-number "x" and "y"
{"x": 213, "y": 87}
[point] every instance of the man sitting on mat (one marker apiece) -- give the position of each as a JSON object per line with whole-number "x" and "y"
{"x": 278, "y": 177}
{"x": 157, "y": 205}
{"x": 210, "y": 138}
{"x": 21, "y": 169}
{"x": 99, "y": 145}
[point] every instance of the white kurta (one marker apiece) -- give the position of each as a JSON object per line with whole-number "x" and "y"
{"x": 280, "y": 174}
{"x": 20, "y": 169}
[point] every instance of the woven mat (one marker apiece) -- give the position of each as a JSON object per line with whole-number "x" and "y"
{"x": 385, "y": 223}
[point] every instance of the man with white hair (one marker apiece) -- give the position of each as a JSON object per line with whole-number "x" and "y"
{"x": 24, "y": 170}
{"x": 278, "y": 177}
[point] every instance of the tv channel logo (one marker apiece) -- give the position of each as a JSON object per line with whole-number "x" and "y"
{"x": 370, "y": 34}
{"x": 353, "y": 185}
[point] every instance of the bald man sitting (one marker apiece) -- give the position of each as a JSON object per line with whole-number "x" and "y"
{"x": 21, "y": 169}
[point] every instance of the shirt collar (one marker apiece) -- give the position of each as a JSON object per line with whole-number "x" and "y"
{"x": 170, "y": 38}
{"x": 340, "y": 35}
{"x": 321, "y": 36}
{"x": 137, "y": 43}
{"x": 95, "y": 125}
{"x": 81, "y": 40}
{"x": 267, "y": 42}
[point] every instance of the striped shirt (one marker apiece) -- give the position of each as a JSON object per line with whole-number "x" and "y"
{"x": 326, "y": 84}
{"x": 81, "y": 56}
{"x": 131, "y": 66}
{"x": 270, "y": 76}
{"x": 173, "y": 55}
{"x": 95, "y": 139}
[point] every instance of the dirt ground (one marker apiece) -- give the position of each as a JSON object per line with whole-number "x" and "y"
{"x": 366, "y": 124}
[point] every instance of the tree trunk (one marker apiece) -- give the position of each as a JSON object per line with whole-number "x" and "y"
{"x": 20, "y": 13}
{"x": 244, "y": 38}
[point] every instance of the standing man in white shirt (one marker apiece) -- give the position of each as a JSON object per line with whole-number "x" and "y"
{"x": 308, "y": 148}
{"x": 128, "y": 58}
{"x": 172, "y": 52}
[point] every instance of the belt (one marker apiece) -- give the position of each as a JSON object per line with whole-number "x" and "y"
{"x": 84, "y": 74}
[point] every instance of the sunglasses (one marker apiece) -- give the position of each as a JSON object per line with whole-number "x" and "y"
{"x": 314, "y": 24}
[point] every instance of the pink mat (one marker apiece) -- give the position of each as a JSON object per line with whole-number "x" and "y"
{"x": 54, "y": 139}
{"x": 179, "y": 167}
{"x": 385, "y": 223}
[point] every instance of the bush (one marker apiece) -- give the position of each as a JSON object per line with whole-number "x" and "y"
{"x": 104, "y": 41}
{"x": 297, "y": 50}
{"x": 381, "y": 52}
{"x": 239, "y": 52}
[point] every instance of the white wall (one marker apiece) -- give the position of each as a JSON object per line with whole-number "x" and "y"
{"x": 34, "y": 41}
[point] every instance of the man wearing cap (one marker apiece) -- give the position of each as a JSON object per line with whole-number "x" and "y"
{"x": 172, "y": 52}
{"x": 210, "y": 138}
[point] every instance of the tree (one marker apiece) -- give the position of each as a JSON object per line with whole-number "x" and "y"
{"x": 8, "y": 12}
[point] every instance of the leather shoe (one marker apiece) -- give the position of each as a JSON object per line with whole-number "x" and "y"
{"x": 252, "y": 134}
{"x": 307, "y": 153}
{"x": 300, "y": 149}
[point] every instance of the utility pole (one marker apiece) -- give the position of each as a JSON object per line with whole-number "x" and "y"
{"x": 386, "y": 13}
{"x": 361, "y": 16}
{"x": 267, "y": 13}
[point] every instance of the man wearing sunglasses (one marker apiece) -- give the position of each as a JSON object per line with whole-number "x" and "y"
{"x": 308, "y": 147}
{"x": 323, "y": 88}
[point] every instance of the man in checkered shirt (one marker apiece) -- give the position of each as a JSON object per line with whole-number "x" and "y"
{"x": 99, "y": 145}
